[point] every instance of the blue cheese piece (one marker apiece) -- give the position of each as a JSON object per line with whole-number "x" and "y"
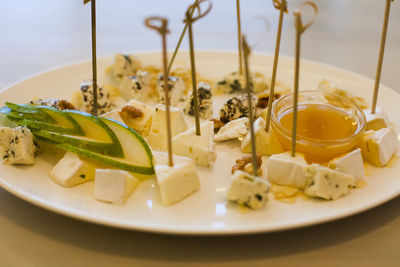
{"x": 124, "y": 65}
{"x": 136, "y": 87}
{"x": 176, "y": 89}
{"x": 350, "y": 163}
{"x": 378, "y": 147}
{"x": 158, "y": 131}
{"x": 376, "y": 121}
{"x": 248, "y": 190}
{"x": 283, "y": 169}
{"x": 326, "y": 183}
{"x": 178, "y": 181}
{"x": 204, "y": 100}
{"x": 17, "y": 145}
{"x": 114, "y": 186}
{"x": 266, "y": 143}
{"x": 237, "y": 107}
{"x": 200, "y": 148}
{"x": 234, "y": 129}
{"x": 103, "y": 98}
{"x": 52, "y": 102}
{"x": 72, "y": 170}
{"x": 235, "y": 83}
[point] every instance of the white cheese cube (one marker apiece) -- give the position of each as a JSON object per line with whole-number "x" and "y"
{"x": 103, "y": 98}
{"x": 158, "y": 132}
{"x": 141, "y": 124}
{"x": 266, "y": 143}
{"x": 176, "y": 89}
{"x": 199, "y": 148}
{"x": 178, "y": 181}
{"x": 72, "y": 170}
{"x": 114, "y": 186}
{"x": 124, "y": 65}
{"x": 234, "y": 129}
{"x": 204, "y": 97}
{"x": 350, "y": 163}
{"x": 327, "y": 183}
{"x": 17, "y": 145}
{"x": 378, "y": 147}
{"x": 376, "y": 121}
{"x": 286, "y": 170}
{"x": 247, "y": 190}
{"x": 237, "y": 107}
{"x": 136, "y": 87}
{"x": 114, "y": 115}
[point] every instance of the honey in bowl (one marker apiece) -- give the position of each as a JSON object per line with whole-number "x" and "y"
{"x": 327, "y": 125}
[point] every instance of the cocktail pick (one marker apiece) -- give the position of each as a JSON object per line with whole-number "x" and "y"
{"x": 162, "y": 29}
{"x": 180, "y": 41}
{"x": 189, "y": 20}
{"x": 94, "y": 57}
{"x": 282, "y": 7}
{"x": 381, "y": 53}
{"x": 246, "y": 53}
{"x": 239, "y": 32}
{"x": 300, "y": 29}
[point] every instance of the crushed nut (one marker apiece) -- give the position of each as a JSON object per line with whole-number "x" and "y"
{"x": 245, "y": 164}
{"x": 264, "y": 98}
{"x": 64, "y": 104}
{"x": 217, "y": 124}
{"x": 131, "y": 112}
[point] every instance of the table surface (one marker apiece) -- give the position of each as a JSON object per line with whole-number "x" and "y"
{"x": 41, "y": 34}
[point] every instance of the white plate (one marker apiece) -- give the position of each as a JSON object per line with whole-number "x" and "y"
{"x": 206, "y": 211}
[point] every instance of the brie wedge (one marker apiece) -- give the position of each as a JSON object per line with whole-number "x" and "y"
{"x": 234, "y": 129}
{"x": 266, "y": 143}
{"x": 378, "y": 147}
{"x": 141, "y": 124}
{"x": 376, "y": 121}
{"x": 283, "y": 169}
{"x": 350, "y": 163}
{"x": 114, "y": 186}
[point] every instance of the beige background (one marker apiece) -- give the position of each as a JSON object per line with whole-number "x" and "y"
{"x": 41, "y": 34}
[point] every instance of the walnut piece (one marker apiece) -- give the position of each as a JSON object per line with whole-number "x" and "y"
{"x": 130, "y": 112}
{"x": 245, "y": 164}
{"x": 217, "y": 124}
{"x": 64, "y": 104}
{"x": 264, "y": 98}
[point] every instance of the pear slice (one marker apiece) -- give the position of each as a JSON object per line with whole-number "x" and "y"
{"x": 98, "y": 137}
{"x": 137, "y": 159}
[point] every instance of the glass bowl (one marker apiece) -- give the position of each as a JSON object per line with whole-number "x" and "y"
{"x": 318, "y": 149}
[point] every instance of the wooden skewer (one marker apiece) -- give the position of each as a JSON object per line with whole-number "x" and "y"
{"x": 189, "y": 20}
{"x": 94, "y": 56}
{"x": 282, "y": 7}
{"x": 180, "y": 41}
{"x": 246, "y": 53}
{"x": 381, "y": 53}
{"x": 300, "y": 29}
{"x": 239, "y": 32}
{"x": 163, "y": 30}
